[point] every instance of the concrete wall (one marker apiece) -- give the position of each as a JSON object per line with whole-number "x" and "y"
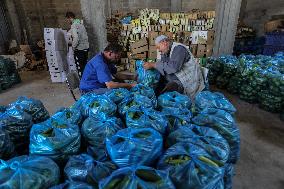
{"x": 34, "y": 15}
{"x": 258, "y": 12}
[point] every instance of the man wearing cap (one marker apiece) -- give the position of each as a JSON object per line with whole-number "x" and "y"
{"x": 180, "y": 70}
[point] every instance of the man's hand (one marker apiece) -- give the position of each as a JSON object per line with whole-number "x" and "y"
{"x": 149, "y": 65}
{"x": 133, "y": 85}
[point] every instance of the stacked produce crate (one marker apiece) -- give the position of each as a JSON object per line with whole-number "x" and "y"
{"x": 137, "y": 32}
{"x": 56, "y": 53}
{"x": 274, "y": 42}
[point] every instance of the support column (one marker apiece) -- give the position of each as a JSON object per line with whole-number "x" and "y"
{"x": 94, "y": 16}
{"x": 227, "y": 15}
{"x": 176, "y": 5}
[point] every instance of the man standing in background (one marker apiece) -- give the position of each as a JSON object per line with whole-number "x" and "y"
{"x": 80, "y": 43}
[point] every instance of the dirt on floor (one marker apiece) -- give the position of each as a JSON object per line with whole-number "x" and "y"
{"x": 261, "y": 165}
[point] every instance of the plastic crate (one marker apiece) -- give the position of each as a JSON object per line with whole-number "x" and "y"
{"x": 271, "y": 50}
{"x": 274, "y": 39}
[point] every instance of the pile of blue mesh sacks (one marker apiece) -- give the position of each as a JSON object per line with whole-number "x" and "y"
{"x": 256, "y": 79}
{"x": 121, "y": 139}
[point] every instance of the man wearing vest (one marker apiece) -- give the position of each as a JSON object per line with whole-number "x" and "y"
{"x": 180, "y": 70}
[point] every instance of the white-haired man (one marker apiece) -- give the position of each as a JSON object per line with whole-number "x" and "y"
{"x": 180, "y": 70}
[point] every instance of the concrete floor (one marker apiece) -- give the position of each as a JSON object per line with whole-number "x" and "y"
{"x": 261, "y": 165}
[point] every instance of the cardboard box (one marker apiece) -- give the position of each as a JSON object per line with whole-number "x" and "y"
{"x": 152, "y": 37}
{"x": 201, "y": 51}
{"x": 54, "y": 34}
{"x": 141, "y": 55}
{"x": 209, "y": 50}
{"x": 165, "y": 28}
{"x": 58, "y": 77}
{"x": 26, "y": 49}
{"x": 55, "y": 45}
{"x": 168, "y": 34}
{"x": 152, "y": 52}
{"x": 204, "y": 51}
{"x": 193, "y": 49}
{"x": 139, "y": 46}
{"x": 124, "y": 60}
{"x": 57, "y": 61}
{"x": 273, "y": 25}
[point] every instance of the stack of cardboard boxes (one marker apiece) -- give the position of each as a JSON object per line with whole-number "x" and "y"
{"x": 194, "y": 29}
{"x": 56, "y": 53}
{"x": 60, "y": 57}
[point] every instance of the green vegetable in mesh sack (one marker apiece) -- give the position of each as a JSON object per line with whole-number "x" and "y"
{"x": 83, "y": 168}
{"x": 225, "y": 125}
{"x": 174, "y": 99}
{"x": 134, "y": 100}
{"x": 73, "y": 185}
{"x": 149, "y": 78}
{"x": 230, "y": 65}
{"x": 177, "y": 117}
{"x": 96, "y": 104}
{"x": 139, "y": 117}
{"x": 132, "y": 147}
{"x": 145, "y": 91}
{"x": 270, "y": 102}
{"x": 33, "y": 107}
{"x": 215, "y": 69}
{"x": 191, "y": 167}
{"x": 71, "y": 115}
{"x": 208, "y": 139}
{"x": 140, "y": 177}
{"x": 28, "y": 172}
{"x": 95, "y": 130}
{"x": 17, "y": 124}
{"x": 117, "y": 95}
{"x": 6, "y": 146}
{"x": 15, "y": 78}
{"x": 56, "y": 139}
{"x": 207, "y": 99}
{"x": 5, "y": 82}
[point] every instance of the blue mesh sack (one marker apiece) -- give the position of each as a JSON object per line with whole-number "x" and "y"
{"x": 145, "y": 91}
{"x": 55, "y": 138}
{"x": 73, "y": 185}
{"x": 95, "y": 104}
{"x": 17, "y": 124}
{"x": 204, "y": 137}
{"x": 207, "y": 99}
{"x": 96, "y": 129}
{"x": 70, "y": 115}
{"x": 28, "y": 172}
{"x": 140, "y": 177}
{"x": 130, "y": 147}
{"x": 228, "y": 175}
{"x": 134, "y": 101}
{"x": 149, "y": 78}
{"x": 139, "y": 117}
{"x": 117, "y": 95}
{"x": 225, "y": 125}
{"x": 191, "y": 167}
{"x": 83, "y": 168}
{"x": 174, "y": 99}
{"x": 177, "y": 117}
{"x": 33, "y": 107}
{"x": 6, "y": 145}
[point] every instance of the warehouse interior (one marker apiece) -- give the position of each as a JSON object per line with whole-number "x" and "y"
{"x": 239, "y": 27}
